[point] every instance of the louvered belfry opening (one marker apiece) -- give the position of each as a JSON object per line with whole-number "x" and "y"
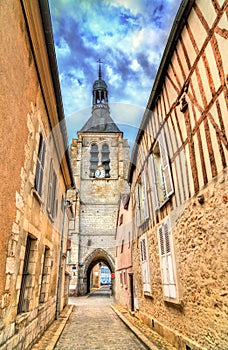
{"x": 93, "y": 159}
{"x": 105, "y": 159}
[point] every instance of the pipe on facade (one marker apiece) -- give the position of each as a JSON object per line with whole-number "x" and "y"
{"x": 58, "y": 294}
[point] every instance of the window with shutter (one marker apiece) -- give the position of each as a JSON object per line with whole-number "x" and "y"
{"x": 161, "y": 179}
{"x": 138, "y": 216}
{"x": 145, "y": 196}
{"x": 40, "y": 166}
{"x": 25, "y": 296}
{"x": 45, "y": 276}
{"x": 121, "y": 279}
{"x": 51, "y": 199}
{"x": 145, "y": 265}
{"x": 165, "y": 167}
{"x": 122, "y": 246}
{"x": 167, "y": 261}
{"x": 141, "y": 196}
{"x": 153, "y": 183}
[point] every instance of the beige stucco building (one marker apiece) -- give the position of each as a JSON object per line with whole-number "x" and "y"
{"x": 100, "y": 159}
{"x": 36, "y": 174}
{"x": 124, "y": 294}
{"x": 179, "y": 185}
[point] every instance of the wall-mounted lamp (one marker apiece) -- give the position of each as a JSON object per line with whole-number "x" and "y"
{"x": 201, "y": 199}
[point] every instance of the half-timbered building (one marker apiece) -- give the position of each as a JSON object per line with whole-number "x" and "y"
{"x": 179, "y": 179}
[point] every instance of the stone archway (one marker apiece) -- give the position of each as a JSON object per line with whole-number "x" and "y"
{"x": 98, "y": 255}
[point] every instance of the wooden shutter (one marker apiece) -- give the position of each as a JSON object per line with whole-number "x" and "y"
{"x": 53, "y": 195}
{"x": 145, "y": 196}
{"x": 143, "y": 249}
{"x": 165, "y": 164}
{"x": 121, "y": 278}
{"x": 137, "y": 199}
{"x": 163, "y": 262}
{"x": 50, "y": 179}
{"x": 166, "y": 259}
{"x": 52, "y": 182}
{"x": 153, "y": 183}
{"x": 169, "y": 262}
{"x": 145, "y": 265}
{"x": 40, "y": 165}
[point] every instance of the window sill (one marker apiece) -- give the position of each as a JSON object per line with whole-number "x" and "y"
{"x": 37, "y": 196}
{"x": 175, "y": 302}
{"x": 144, "y": 225}
{"x": 164, "y": 203}
{"x": 50, "y": 217}
{"x": 42, "y": 306}
{"x": 148, "y": 295}
{"x": 21, "y": 318}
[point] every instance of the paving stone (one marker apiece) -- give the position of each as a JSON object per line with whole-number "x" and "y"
{"x": 95, "y": 322}
{"x": 94, "y": 325}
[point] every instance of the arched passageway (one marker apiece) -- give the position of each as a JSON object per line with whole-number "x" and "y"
{"x": 97, "y": 256}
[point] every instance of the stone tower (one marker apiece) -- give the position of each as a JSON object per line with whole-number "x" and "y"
{"x": 100, "y": 158}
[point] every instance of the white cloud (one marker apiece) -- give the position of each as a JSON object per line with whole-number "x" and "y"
{"x": 135, "y": 6}
{"x": 128, "y": 35}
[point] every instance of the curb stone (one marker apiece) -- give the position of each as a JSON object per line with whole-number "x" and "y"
{"x": 52, "y": 334}
{"x": 135, "y": 330}
{"x": 152, "y": 340}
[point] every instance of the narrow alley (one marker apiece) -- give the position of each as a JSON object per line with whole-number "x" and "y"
{"x": 94, "y": 325}
{"x": 114, "y": 171}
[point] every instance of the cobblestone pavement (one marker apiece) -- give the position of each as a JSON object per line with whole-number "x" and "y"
{"x": 94, "y": 325}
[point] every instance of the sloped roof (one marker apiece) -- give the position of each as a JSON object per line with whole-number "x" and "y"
{"x": 100, "y": 121}
{"x": 125, "y": 198}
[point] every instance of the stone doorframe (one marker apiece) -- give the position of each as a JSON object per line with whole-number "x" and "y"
{"x": 98, "y": 255}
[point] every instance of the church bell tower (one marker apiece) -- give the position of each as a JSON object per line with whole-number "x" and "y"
{"x": 100, "y": 159}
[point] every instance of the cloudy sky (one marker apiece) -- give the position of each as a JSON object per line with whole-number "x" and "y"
{"x": 129, "y": 36}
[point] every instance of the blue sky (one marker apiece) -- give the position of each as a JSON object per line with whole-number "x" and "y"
{"x": 129, "y": 36}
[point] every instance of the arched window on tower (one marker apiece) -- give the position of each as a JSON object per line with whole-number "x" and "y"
{"x": 105, "y": 159}
{"x": 93, "y": 160}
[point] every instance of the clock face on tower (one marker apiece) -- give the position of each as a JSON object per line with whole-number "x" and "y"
{"x": 100, "y": 172}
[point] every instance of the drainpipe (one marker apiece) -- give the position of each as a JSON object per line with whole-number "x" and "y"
{"x": 132, "y": 292}
{"x": 58, "y": 296}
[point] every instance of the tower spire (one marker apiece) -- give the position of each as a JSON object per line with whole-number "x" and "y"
{"x": 100, "y": 120}
{"x": 99, "y": 69}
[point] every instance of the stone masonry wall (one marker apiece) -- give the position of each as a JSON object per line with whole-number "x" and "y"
{"x": 24, "y": 115}
{"x": 97, "y": 209}
{"x": 200, "y": 242}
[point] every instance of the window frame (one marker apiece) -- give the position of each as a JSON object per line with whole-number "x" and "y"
{"x": 145, "y": 264}
{"x": 142, "y": 200}
{"x": 105, "y": 161}
{"x": 160, "y": 173}
{"x": 167, "y": 262}
{"x": 51, "y": 195}
{"x": 94, "y": 159}
{"x": 40, "y": 163}
{"x": 28, "y": 271}
{"x": 45, "y": 277}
